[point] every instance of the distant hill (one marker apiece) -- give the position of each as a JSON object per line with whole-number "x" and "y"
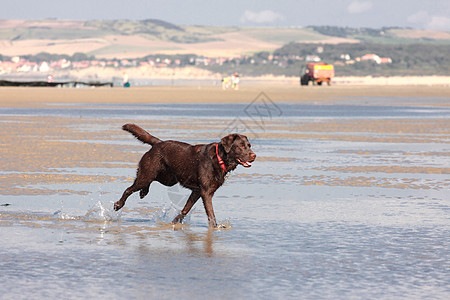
{"x": 386, "y": 35}
{"x": 130, "y": 39}
{"x": 251, "y": 51}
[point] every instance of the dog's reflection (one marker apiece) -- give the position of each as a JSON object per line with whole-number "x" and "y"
{"x": 200, "y": 243}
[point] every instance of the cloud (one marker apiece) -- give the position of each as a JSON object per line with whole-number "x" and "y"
{"x": 428, "y": 21}
{"x": 261, "y": 17}
{"x": 357, "y": 7}
{"x": 439, "y": 23}
{"x": 419, "y": 17}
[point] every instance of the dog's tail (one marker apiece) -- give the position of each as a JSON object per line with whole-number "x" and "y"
{"x": 141, "y": 134}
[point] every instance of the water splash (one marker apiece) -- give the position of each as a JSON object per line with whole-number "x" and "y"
{"x": 167, "y": 214}
{"x": 100, "y": 213}
{"x": 60, "y": 215}
{"x": 224, "y": 225}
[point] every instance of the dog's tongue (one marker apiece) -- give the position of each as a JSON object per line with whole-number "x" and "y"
{"x": 246, "y": 164}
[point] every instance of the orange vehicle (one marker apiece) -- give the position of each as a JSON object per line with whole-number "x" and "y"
{"x": 317, "y": 73}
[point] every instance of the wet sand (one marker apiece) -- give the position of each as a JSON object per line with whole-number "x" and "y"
{"x": 35, "y": 149}
{"x": 30, "y": 97}
{"x": 33, "y": 146}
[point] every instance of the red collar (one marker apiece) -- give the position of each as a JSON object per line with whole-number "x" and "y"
{"x": 221, "y": 162}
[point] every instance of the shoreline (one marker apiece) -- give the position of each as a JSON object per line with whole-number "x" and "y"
{"x": 145, "y": 76}
{"x": 277, "y": 92}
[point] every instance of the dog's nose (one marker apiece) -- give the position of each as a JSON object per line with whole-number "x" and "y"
{"x": 253, "y": 156}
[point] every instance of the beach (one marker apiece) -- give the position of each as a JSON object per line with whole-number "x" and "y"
{"x": 13, "y": 96}
{"x": 348, "y": 196}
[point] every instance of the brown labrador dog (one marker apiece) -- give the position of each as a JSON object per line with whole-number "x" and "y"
{"x": 200, "y": 168}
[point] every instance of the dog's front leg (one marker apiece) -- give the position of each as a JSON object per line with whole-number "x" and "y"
{"x": 207, "y": 202}
{"x": 195, "y": 195}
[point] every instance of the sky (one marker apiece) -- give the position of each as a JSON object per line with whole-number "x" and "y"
{"x": 420, "y": 14}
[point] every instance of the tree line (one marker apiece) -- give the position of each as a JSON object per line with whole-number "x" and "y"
{"x": 412, "y": 59}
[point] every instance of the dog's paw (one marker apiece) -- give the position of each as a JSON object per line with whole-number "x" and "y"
{"x": 117, "y": 206}
{"x": 143, "y": 193}
{"x": 224, "y": 225}
{"x": 178, "y": 219}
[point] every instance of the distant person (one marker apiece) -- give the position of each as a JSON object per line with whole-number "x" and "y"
{"x": 126, "y": 82}
{"x": 50, "y": 78}
{"x": 235, "y": 81}
{"x": 226, "y": 82}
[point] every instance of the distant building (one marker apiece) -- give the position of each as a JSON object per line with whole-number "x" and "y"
{"x": 312, "y": 58}
{"x": 44, "y": 67}
{"x": 376, "y": 58}
{"x": 371, "y": 57}
{"x": 345, "y": 56}
{"x": 385, "y": 60}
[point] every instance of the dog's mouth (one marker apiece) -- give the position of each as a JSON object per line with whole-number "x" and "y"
{"x": 246, "y": 164}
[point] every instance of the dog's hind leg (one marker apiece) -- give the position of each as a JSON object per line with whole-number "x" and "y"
{"x": 147, "y": 172}
{"x": 137, "y": 185}
{"x": 144, "y": 191}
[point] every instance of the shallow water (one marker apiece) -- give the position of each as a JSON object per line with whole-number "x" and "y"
{"x": 343, "y": 201}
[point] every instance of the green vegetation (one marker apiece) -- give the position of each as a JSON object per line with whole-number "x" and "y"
{"x": 46, "y": 33}
{"x": 283, "y": 35}
{"x": 345, "y": 32}
{"x": 385, "y": 35}
{"x": 415, "y": 59}
{"x": 152, "y": 29}
{"x": 44, "y": 56}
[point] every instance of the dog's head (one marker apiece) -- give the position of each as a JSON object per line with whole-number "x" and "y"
{"x": 237, "y": 148}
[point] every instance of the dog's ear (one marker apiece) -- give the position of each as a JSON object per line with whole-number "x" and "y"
{"x": 227, "y": 142}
